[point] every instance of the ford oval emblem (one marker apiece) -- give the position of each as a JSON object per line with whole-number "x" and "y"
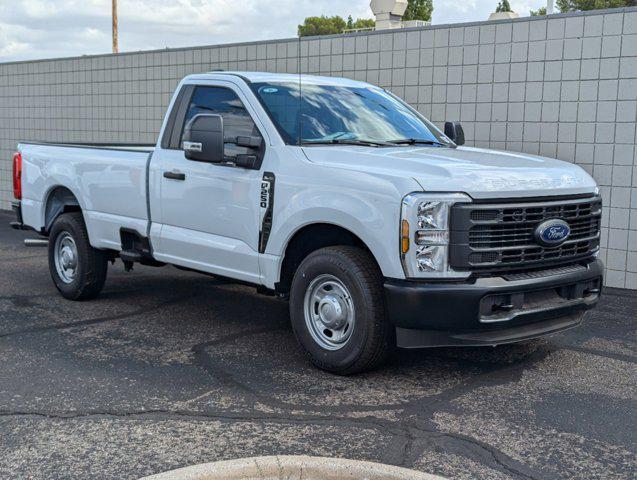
{"x": 552, "y": 233}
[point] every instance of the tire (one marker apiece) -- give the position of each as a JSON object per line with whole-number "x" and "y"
{"x": 87, "y": 267}
{"x": 342, "y": 276}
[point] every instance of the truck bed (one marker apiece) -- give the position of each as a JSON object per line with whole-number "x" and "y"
{"x": 109, "y": 181}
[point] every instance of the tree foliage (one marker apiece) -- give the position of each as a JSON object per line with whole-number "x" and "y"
{"x": 577, "y": 5}
{"x": 322, "y": 25}
{"x": 360, "y": 23}
{"x": 419, "y": 10}
{"x": 313, "y": 26}
{"x": 539, "y": 12}
{"x": 503, "y": 6}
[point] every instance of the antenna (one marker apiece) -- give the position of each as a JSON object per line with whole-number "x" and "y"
{"x": 300, "y": 119}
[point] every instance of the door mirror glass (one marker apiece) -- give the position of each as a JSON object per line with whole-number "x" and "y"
{"x": 203, "y": 138}
{"x": 455, "y": 132}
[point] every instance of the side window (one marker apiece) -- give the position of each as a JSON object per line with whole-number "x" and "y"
{"x": 236, "y": 119}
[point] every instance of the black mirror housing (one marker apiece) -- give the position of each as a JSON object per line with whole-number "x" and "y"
{"x": 247, "y": 141}
{"x": 246, "y": 161}
{"x": 455, "y": 132}
{"x": 203, "y": 139}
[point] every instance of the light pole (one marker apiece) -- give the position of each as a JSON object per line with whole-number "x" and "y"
{"x": 115, "y": 44}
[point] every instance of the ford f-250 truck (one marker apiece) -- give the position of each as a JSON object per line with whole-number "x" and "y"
{"x": 380, "y": 229}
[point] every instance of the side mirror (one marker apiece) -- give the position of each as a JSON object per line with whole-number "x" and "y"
{"x": 455, "y": 132}
{"x": 246, "y": 161}
{"x": 203, "y": 138}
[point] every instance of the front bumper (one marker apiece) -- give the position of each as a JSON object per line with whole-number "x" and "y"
{"x": 492, "y": 310}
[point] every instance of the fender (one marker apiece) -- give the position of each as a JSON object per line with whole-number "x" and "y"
{"x": 383, "y": 248}
{"x": 366, "y": 205}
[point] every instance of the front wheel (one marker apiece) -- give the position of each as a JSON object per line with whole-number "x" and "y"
{"x": 338, "y": 312}
{"x": 77, "y": 269}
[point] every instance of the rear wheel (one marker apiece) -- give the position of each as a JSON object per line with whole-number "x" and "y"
{"x": 337, "y": 309}
{"x": 77, "y": 269}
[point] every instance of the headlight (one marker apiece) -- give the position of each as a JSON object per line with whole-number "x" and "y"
{"x": 432, "y": 215}
{"x": 424, "y": 234}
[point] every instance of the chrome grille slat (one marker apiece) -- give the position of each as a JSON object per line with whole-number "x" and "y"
{"x": 530, "y": 245}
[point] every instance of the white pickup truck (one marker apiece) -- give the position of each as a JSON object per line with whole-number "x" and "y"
{"x": 381, "y": 230}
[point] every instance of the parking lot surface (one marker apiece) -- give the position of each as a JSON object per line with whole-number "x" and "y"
{"x": 168, "y": 369}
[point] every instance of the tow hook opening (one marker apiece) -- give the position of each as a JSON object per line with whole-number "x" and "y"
{"x": 504, "y": 307}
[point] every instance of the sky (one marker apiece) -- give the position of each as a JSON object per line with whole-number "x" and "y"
{"x": 33, "y": 29}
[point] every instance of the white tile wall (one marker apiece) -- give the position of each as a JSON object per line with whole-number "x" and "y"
{"x": 563, "y": 86}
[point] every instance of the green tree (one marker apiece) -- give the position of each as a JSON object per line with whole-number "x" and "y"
{"x": 313, "y": 26}
{"x": 419, "y": 10}
{"x": 539, "y": 12}
{"x": 364, "y": 23}
{"x": 503, "y": 6}
{"x": 577, "y": 5}
{"x": 322, "y": 25}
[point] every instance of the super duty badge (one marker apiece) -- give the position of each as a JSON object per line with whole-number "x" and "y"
{"x": 266, "y": 204}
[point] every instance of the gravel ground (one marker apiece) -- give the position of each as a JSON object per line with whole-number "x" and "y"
{"x": 168, "y": 369}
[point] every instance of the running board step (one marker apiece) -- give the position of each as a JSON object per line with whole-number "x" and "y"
{"x": 131, "y": 256}
{"x": 135, "y": 256}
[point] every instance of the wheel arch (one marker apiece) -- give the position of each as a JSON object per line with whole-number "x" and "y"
{"x": 59, "y": 200}
{"x": 308, "y": 239}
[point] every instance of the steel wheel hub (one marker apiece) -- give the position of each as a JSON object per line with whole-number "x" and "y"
{"x": 65, "y": 257}
{"x": 329, "y": 312}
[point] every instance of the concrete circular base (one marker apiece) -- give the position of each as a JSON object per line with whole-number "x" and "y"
{"x": 292, "y": 468}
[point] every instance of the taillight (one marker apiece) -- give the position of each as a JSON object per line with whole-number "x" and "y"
{"x": 17, "y": 176}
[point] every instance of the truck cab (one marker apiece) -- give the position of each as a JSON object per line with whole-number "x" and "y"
{"x": 379, "y": 228}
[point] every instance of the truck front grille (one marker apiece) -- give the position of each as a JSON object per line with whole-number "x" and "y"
{"x": 501, "y": 237}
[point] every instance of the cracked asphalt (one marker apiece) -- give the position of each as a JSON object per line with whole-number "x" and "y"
{"x": 168, "y": 369}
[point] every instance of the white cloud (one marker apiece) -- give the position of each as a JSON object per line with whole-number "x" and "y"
{"x": 11, "y": 48}
{"x": 57, "y": 28}
{"x": 524, "y": 7}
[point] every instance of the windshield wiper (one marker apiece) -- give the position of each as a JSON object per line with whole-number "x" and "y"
{"x": 416, "y": 141}
{"x": 345, "y": 141}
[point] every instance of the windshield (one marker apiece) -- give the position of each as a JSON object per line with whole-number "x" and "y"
{"x": 337, "y": 114}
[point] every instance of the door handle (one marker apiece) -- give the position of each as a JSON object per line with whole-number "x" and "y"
{"x": 175, "y": 175}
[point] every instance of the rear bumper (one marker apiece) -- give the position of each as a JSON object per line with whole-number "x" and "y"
{"x": 494, "y": 310}
{"x": 18, "y": 224}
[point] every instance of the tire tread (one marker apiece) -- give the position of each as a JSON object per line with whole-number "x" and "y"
{"x": 363, "y": 266}
{"x": 96, "y": 263}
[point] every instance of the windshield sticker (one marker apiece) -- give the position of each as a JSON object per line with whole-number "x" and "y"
{"x": 270, "y": 90}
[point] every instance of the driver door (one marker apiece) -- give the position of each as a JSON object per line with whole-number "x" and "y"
{"x": 209, "y": 212}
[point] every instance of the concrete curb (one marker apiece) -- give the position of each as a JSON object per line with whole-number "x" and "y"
{"x": 292, "y": 468}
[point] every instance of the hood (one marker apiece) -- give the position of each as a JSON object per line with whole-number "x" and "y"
{"x": 478, "y": 172}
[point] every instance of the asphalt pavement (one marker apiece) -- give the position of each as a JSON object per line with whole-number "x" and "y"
{"x": 169, "y": 368}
